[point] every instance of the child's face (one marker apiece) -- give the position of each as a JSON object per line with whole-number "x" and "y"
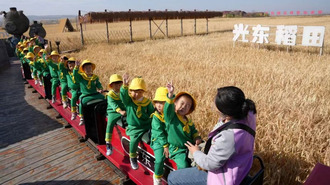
{"x": 159, "y": 105}
{"x": 183, "y": 105}
{"x": 137, "y": 94}
{"x": 36, "y": 50}
{"x": 71, "y": 65}
{"x": 116, "y": 86}
{"x": 55, "y": 58}
{"x": 88, "y": 69}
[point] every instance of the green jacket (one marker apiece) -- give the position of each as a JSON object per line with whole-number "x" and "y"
{"x": 88, "y": 85}
{"x": 114, "y": 102}
{"x": 138, "y": 113}
{"x": 63, "y": 71}
{"x": 53, "y": 68}
{"x": 158, "y": 131}
{"x": 44, "y": 66}
{"x": 179, "y": 131}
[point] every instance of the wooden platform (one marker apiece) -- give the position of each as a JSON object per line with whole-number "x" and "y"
{"x": 55, "y": 157}
{"x": 35, "y": 149}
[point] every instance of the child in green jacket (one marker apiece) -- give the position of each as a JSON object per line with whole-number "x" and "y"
{"x": 138, "y": 110}
{"x": 179, "y": 128}
{"x": 52, "y": 64}
{"x": 89, "y": 83}
{"x": 115, "y": 109}
{"x": 73, "y": 85}
{"x": 159, "y": 135}
{"x": 63, "y": 71}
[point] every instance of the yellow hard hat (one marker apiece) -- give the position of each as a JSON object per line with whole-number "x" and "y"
{"x": 115, "y": 78}
{"x": 36, "y": 46}
{"x": 137, "y": 84}
{"x": 161, "y": 94}
{"x": 29, "y": 55}
{"x": 25, "y": 49}
{"x": 72, "y": 59}
{"x": 53, "y": 53}
{"x": 194, "y": 104}
{"x": 42, "y": 51}
{"x": 19, "y": 43}
{"x": 81, "y": 68}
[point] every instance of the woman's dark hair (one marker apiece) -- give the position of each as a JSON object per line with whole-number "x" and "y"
{"x": 231, "y": 101}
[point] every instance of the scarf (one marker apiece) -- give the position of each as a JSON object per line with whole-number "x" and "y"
{"x": 89, "y": 79}
{"x": 185, "y": 123}
{"x": 145, "y": 102}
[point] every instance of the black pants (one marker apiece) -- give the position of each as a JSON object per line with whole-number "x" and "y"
{"x": 27, "y": 71}
{"x": 48, "y": 86}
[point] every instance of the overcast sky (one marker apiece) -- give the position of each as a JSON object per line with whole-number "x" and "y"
{"x": 71, "y": 7}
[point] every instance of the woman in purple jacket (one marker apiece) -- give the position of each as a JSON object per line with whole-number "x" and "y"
{"x": 228, "y": 154}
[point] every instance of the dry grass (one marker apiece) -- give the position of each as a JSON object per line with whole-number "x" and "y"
{"x": 291, "y": 90}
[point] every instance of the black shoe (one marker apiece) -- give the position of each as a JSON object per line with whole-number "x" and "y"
{"x": 134, "y": 163}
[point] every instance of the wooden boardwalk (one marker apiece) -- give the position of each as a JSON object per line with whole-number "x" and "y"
{"x": 55, "y": 157}
{"x": 35, "y": 148}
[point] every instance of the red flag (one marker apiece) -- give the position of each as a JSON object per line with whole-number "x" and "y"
{"x": 278, "y": 13}
{"x": 319, "y": 12}
{"x": 312, "y": 12}
{"x": 272, "y": 13}
{"x": 305, "y": 12}
{"x": 291, "y": 12}
{"x": 284, "y": 13}
{"x": 298, "y": 12}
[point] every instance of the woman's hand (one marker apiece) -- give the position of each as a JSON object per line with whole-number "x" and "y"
{"x": 166, "y": 152}
{"x": 192, "y": 148}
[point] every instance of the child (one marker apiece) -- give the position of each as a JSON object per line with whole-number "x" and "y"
{"x": 25, "y": 63}
{"x": 115, "y": 109}
{"x": 158, "y": 134}
{"x": 138, "y": 110}
{"x": 39, "y": 65}
{"x": 29, "y": 58}
{"x": 72, "y": 84}
{"x": 228, "y": 153}
{"x": 180, "y": 129}
{"x": 52, "y": 64}
{"x": 89, "y": 85}
{"x": 35, "y": 66}
{"x": 62, "y": 67}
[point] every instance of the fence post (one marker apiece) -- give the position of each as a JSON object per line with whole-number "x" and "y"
{"x": 81, "y": 29}
{"x": 107, "y": 27}
{"x": 195, "y": 23}
{"x": 181, "y": 24}
{"x": 150, "y": 31}
{"x": 166, "y": 24}
{"x": 207, "y": 25}
{"x": 130, "y": 27}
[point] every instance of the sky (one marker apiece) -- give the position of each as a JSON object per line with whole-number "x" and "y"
{"x": 71, "y": 7}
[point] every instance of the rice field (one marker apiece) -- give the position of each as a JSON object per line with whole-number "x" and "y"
{"x": 291, "y": 89}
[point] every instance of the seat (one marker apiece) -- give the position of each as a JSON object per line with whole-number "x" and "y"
{"x": 258, "y": 177}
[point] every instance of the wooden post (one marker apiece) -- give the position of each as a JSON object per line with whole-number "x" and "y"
{"x": 107, "y": 27}
{"x": 130, "y": 27}
{"x": 50, "y": 46}
{"x": 195, "y": 25}
{"x": 207, "y": 25}
{"x": 181, "y": 25}
{"x": 150, "y": 31}
{"x": 166, "y": 25}
{"x": 81, "y": 30}
{"x": 321, "y": 49}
